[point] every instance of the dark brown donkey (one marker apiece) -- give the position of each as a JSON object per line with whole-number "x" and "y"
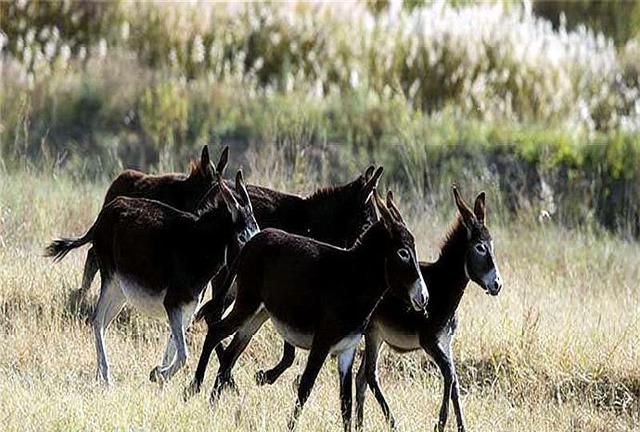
{"x": 183, "y": 192}
{"x": 318, "y": 296}
{"x": 160, "y": 259}
{"x": 334, "y": 215}
{"x": 467, "y": 254}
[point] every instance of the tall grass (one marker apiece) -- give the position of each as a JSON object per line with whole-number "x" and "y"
{"x": 556, "y": 351}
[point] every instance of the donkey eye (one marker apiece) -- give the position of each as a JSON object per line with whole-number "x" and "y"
{"x": 403, "y": 254}
{"x": 481, "y": 249}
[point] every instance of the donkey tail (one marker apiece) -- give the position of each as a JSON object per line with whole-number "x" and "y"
{"x": 212, "y": 310}
{"x": 59, "y": 248}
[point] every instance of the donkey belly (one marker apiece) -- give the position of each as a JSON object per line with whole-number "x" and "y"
{"x": 292, "y": 335}
{"x": 399, "y": 338}
{"x": 346, "y": 343}
{"x": 147, "y": 301}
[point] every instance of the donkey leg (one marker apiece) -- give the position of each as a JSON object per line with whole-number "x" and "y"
{"x": 240, "y": 313}
{"x": 442, "y": 359}
{"x": 345, "y": 372}
{"x": 317, "y": 356}
{"x": 91, "y": 267}
{"x": 180, "y": 316}
{"x": 109, "y": 305}
{"x": 237, "y": 346}
{"x": 369, "y": 372}
{"x": 455, "y": 395}
{"x": 168, "y": 357}
{"x": 270, "y": 376}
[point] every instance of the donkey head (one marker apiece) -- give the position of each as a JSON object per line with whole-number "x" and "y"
{"x": 402, "y": 269}
{"x": 241, "y": 211}
{"x": 339, "y": 215}
{"x": 203, "y": 171}
{"x": 480, "y": 261}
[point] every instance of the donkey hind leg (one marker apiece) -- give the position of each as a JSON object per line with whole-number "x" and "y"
{"x": 345, "y": 372}
{"x": 91, "y": 267}
{"x": 441, "y": 354}
{"x": 168, "y": 357}
{"x": 180, "y": 317}
{"x": 270, "y": 376}
{"x": 241, "y": 312}
{"x": 109, "y": 305}
{"x": 368, "y": 376}
{"x": 317, "y": 356}
{"x": 237, "y": 346}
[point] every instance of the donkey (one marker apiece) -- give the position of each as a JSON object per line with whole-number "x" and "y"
{"x": 319, "y": 297}
{"x": 335, "y": 215}
{"x": 160, "y": 259}
{"x": 467, "y": 254}
{"x": 183, "y": 192}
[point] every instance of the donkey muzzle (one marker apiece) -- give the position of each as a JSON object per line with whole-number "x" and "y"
{"x": 419, "y": 295}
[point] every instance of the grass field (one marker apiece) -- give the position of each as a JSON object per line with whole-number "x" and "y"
{"x": 556, "y": 351}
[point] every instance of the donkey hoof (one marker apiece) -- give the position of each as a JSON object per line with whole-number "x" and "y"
{"x": 296, "y": 382}
{"x": 155, "y": 376}
{"x": 261, "y": 378}
{"x": 231, "y": 385}
{"x": 192, "y": 389}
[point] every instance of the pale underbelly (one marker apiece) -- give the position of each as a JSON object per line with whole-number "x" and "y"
{"x": 146, "y": 301}
{"x": 396, "y": 338}
{"x": 305, "y": 340}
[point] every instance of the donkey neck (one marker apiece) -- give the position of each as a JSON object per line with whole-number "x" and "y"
{"x": 213, "y": 229}
{"x": 370, "y": 252}
{"x": 447, "y": 277}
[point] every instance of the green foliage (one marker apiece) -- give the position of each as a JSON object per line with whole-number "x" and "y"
{"x": 163, "y": 112}
{"x": 618, "y": 19}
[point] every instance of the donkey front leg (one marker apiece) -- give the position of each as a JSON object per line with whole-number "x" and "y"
{"x": 237, "y": 346}
{"x": 109, "y": 305}
{"x": 317, "y": 356}
{"x": 270, "y": 376}
{"x": 368, "y": 376}
{"x": 441, "y": 354}
{"x": 241, "y": 312}
{"x": 345, "y": 372}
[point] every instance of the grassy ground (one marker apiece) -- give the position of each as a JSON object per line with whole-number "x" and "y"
{"x": 556, "y": 351}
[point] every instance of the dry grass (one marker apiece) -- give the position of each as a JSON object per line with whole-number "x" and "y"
{"x": 556, "y": 351}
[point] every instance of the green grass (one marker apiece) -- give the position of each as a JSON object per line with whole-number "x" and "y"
{"x": 556, "y": 351}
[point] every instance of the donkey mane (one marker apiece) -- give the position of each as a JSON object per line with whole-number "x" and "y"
{"x": 196, "y": 169}
{"x": 366, "y": 233}
{"x": 205, "y": 205}
{"x": 454, "y": 240}
{"x": 330, "y": 191}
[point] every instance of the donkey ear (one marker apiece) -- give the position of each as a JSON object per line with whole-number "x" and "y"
{"x": 385, "y": 214}
{"x": 204, "y": 157}
{"x": 467, "y": 215}
{"x": 225, "y": 194}
{"x": 479, "y": 208}
{"x": 369, "y": 172}
{"x": 222, "y": 163}
{"x": 371, "y": 184}
{"x": 393, "y": 208}
{"x": 241, "y": 190}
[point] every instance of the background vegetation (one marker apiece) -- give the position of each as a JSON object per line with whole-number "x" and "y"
{"x": 535, "y": 102}
{"x": 547, "y": 113}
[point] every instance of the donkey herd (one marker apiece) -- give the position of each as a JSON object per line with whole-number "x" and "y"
{"x": 326, "y": 269}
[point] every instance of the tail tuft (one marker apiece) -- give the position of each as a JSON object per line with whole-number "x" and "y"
{"x": 58, "y": 249}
